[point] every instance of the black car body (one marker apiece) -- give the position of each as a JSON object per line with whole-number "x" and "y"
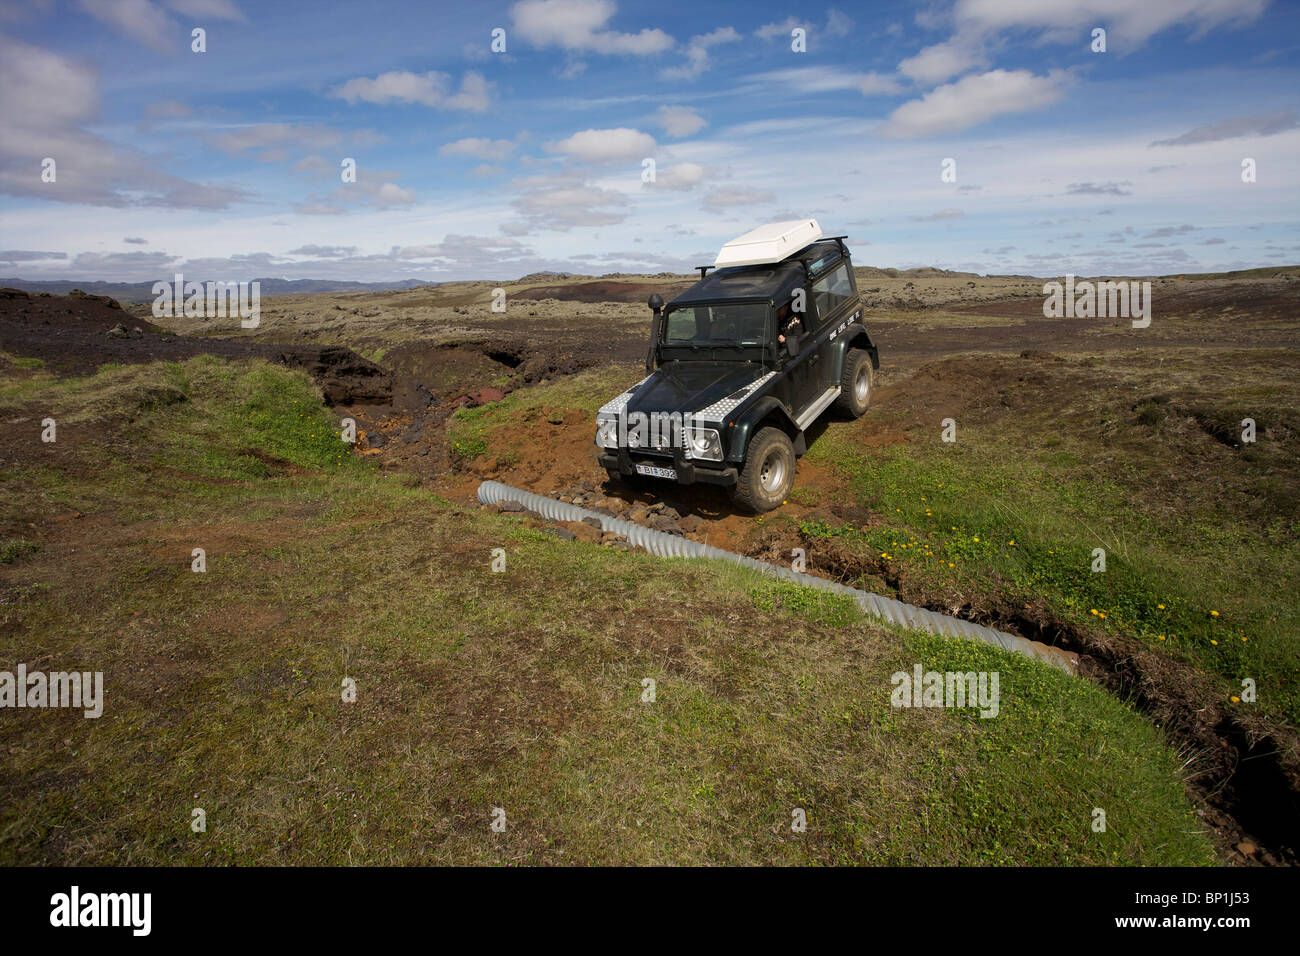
{"x": 718, "y": 362}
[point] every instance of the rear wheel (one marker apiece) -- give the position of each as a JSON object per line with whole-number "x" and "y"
{"x": 855, "y": 383}
{"x": 768, "y": 473}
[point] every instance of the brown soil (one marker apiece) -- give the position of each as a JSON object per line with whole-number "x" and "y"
{"x": 73, "y": 335}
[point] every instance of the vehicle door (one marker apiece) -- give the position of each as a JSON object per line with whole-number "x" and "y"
{"x": 801, "y": 369}
{"x": 833, "y": 297}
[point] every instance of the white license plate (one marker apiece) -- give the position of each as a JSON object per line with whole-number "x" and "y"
{"x": 654, "y": 472}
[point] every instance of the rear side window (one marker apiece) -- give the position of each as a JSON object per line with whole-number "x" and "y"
{"x": 832, "y": 290}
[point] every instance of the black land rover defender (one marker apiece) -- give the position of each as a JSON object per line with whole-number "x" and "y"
{"x": 741, "y": 364}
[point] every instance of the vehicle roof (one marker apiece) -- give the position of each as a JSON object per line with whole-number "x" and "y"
{"x": 772, "y": 282}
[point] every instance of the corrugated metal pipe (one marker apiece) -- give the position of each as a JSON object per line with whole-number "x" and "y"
{"x": 672, "y": 546}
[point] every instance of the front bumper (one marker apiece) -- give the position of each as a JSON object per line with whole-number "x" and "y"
{"x": 688, "y": 472}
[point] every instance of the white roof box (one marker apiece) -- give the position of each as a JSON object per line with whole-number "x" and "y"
{"x": 770, "y": 243}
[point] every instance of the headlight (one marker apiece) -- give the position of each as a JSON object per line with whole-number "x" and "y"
{"x": 607, "y": 432}
{"x": 703, "y": 443}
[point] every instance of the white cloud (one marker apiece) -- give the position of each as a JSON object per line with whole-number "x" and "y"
{"x": 48, "y": 102}
{"x": 769, "y": 31}
{"x": 828, "y": 79}
{"x": 562, "y": 205}
{"x": 1269, "y": 125}
{"x": 323, "y": 252}
{"x": 973, "y": 100}
{"x": 679, "y": 121}
{"x": 266, "y": 136}
{"x": 697, "y": 54}
{"x": 680, "y": 176}
{"x": 479, "y": 148}
{"x": 580, "y": 25}
{"x": 1128, "y": 25}
{"x": 373, "y": 189}
{"x": 939, "y": 62}
{"x": 427, "y": 89}
{"x": 606, "y": 145}
{"x": 838, "y": 24}
{"x": 93, "y": 261}
{"x": 151, "y": 25}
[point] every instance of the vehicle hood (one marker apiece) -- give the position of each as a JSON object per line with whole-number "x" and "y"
{"x": 692, "y": 386}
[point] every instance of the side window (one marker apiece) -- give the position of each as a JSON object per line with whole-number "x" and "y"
{"x": 831, "y": 291}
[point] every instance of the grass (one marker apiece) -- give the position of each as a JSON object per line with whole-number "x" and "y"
{"x": 1199, "y": 538}
{"x": 520, "y": 690}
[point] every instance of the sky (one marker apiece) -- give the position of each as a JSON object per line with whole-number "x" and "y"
{"x": 492, "y": 140}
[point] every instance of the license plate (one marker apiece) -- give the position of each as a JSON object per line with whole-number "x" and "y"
{"x": 654, "y": 472}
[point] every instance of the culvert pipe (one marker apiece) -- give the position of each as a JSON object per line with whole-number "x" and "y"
{"x": 666, "y": 545}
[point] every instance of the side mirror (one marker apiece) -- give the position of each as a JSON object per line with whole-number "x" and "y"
{"x": 792, "y": 344}
{"x": 656, "y": 301}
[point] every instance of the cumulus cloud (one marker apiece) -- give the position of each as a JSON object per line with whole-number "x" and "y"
{"x": 581, "y": 25}
{"x": 679, "y": 121}
{"x": 425, "y": 89}
{"x": 561, "y": 203}
{"x": 769, "y": 31}
{"x": 49, "y": 102}
{"x": 940, "y": 62}
{"x": 697, "y": 54}
{"x": 374, "y": 189}
{"x": 606, "y": 145}
{"x": 680, "y": 176}
{"x": 973, "y": 100}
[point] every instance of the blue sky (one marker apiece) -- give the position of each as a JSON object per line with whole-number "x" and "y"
{"x": 480, "y": 164}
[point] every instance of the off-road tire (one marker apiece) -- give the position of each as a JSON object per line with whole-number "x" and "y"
{"x": 768, "y": 473}
{"x": 855, "y": 384}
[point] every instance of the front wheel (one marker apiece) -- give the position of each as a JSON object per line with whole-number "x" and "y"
{"x": 768, "y": 473}
{"x": 855, "y": 383}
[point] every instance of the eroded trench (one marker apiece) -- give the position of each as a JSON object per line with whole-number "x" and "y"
{"x": 1245, "y": 790}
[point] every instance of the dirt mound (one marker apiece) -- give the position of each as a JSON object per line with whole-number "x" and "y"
{"x": 77, "y": 333}
{"x": 603, "y": 291}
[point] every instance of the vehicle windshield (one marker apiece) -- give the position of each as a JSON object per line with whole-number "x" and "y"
{"x": 743, "y": 323}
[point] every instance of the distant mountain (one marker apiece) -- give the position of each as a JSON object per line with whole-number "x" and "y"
{"x": 143, "y": 291}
